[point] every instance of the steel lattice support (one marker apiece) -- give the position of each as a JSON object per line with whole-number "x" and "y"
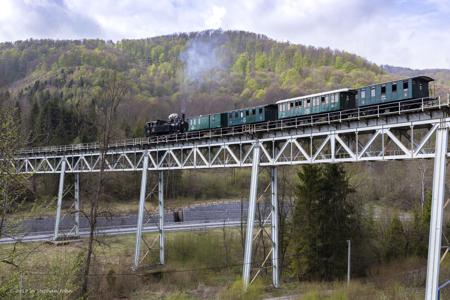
{"x": 60, "y": 197}
{"x": 274, "y": 224}
{"x": 251, "y": 217}
{"x": 142, "y": 196}
{"x": 161, "y": 216}
{"x": 437, "y": 209}
{"x": 77, "y": 204}
{"x": 141, "y": 214}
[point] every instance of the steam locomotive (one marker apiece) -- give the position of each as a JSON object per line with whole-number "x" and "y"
{"x": 330, "y": 101}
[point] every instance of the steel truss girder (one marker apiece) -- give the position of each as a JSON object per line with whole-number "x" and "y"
{"x": 384, "y": 142}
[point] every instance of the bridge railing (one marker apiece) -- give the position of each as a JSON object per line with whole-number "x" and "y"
{"x": 374, "y": 111}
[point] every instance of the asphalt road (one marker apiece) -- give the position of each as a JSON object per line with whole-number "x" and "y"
{"x": 182, "y": 226}
{"x": 207, "y": 213}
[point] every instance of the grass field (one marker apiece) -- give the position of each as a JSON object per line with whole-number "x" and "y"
{"x": 200, "y": 265}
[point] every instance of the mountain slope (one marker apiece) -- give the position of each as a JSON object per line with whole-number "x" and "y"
{"x": 54, "y": 83}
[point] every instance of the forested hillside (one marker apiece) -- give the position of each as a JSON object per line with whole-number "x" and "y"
{"x": 54, "y": 83}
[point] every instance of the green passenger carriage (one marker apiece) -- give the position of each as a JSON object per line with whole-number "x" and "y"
{"x": 205, "y": 122}
{"x": 316, "y": 103}
{"x": 252, "y": 115}
{"x": 411, "y": 88}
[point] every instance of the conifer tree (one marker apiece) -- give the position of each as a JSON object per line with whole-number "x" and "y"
{"x": 324, "y": 219}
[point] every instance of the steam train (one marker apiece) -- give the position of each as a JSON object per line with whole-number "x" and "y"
{"x": 330, "y": 101}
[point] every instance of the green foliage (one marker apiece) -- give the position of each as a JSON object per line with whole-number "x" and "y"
{"x": 395, "y": 240}
{"x": 324, "y": 219}
{"x": 9, "y": 285}
{"x": 420, "y": 228}
{"x": 236, "y": 291}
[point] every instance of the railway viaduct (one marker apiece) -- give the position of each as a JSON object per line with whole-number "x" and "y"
{"x": 399, "y": 133}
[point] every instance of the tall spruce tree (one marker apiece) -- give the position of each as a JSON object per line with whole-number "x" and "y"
{"x": 324, "y": 219}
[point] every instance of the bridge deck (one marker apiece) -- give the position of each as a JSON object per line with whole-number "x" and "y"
{"x": 399, "y": 112}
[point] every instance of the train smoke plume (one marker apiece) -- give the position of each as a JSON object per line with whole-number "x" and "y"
{"x": 201, "y": 61}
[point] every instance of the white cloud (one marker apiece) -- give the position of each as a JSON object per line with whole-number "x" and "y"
{"x": 405, "y": 33}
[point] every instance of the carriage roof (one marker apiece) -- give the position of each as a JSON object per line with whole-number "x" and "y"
{"x": 313, "y": 95}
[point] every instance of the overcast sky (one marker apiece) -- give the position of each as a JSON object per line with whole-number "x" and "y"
{"x": 413, "y": 33}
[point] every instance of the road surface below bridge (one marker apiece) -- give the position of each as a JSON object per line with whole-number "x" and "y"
{"x": 188, "y": 217}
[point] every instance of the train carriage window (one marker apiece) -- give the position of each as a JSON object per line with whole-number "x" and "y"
{"x": 420, "y": 86}
{"x": 327, "y": 99}
{"x": 383, "y": 92}
{"x": 260, "y": 110}
{"x": 322, "y": 99}
{"x": 308, "y": 102}
{"x": 363, "y": 94}
{"x": 394, "y": 88}
{"x": 301, "y": 103}
{"x": 254, "y": 111}
{"x": 242, "y": 114}
{"x": 372, "y": 92}
{"x": 236, "y": 115}
{"x": 405, "y": 88}
{"x": 291, "y": 104}
{"x": 247, "y": 112}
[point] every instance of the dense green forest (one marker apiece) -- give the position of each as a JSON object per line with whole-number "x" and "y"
{"x": 54, "y": 82}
